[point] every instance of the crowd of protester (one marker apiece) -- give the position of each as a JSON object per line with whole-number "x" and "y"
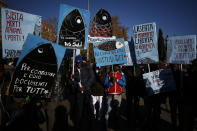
{"x": 90, "y": 96}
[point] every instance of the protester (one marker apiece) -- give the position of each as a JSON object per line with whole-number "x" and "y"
{"x": 115, "y": 81}
{"x": 188, "y": 95}
{"x": 175, "y": 99}
{"x": 98, "y": 92}
{"x": 88, "y": 87}
{"x": 83, "y": 78}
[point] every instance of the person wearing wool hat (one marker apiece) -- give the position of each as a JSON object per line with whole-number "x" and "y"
{"x": 78, "y": 59}
{"x": 83, "y": 78}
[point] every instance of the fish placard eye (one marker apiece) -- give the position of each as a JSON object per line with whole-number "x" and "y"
{"x": 78, "y": 20}
{"x": 101, "y": 25}
{"x": 40, "y": 50}
{"x": 104, "y": 17}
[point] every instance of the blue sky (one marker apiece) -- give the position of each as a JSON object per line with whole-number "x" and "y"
{"x": 174, "y": 17}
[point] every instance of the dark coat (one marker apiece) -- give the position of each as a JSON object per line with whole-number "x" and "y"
{"x": 98, "y": 89}
{"x": 86, "y": 76}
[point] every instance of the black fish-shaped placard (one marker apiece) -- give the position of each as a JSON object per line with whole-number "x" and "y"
{"x": 35, "y": 73}
{"x": 72, "y": 28}
{"x": 36, "y": 68}
{"x": 110, "y": 45}
{"x": 101, "y": 26}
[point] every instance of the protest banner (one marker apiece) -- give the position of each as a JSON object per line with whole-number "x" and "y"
{"x": 145, "y": 41}
{"x": 36, "y": 68}
{"x": 15, "y": 27}
{"x": 181, "y": 49}
{"x": 159, "y": 81}
{"x": 73, "y": 26}
{"x": 101, "y": 25}
{"x": 109, "y": 52}
{"x": 99, "y": 39}
{"x": 92, "y": 40}
{"x": 128, "y": 54}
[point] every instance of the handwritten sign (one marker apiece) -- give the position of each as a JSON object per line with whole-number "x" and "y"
{"x": 36, "y": 68}
{"x": 159, "y": 81}
{"x": 145, "y": 41}
{"x": 15, "y": 27}
{"x": 110, "y": 52}
{"x": 181, "y": 49}
{"x": 31, "y": 80}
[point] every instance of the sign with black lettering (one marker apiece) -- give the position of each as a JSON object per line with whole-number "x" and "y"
{"x": 73, "y": 27}
{"x": 35, "y": 72}
{"x": 99, "y": 39}
{"x": 181, "y": 49}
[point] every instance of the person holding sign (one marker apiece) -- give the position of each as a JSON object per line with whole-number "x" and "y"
{"x": 83, "y": 78}
{"x": 98, "y": 93}
{"x": 115, "y": 81}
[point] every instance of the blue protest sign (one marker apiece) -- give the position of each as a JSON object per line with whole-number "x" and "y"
{"x": 73, "y": 26}
{"x": 110, "y": 52}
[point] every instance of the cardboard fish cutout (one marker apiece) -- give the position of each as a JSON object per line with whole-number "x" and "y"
{"x": 110, "y": 45}
{"x": 72, "y": 27}
{"x": 36, "y": 68}
{"x": 74, "y": 30}
{"x": 101, "y": 26}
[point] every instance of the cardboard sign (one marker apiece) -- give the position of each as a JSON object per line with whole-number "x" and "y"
{"x": 128, "y": 54}
{"x": 159, "y": 81}
{"x": 73, "y": 26}
{"x": 15, "y": 27}
{"x": 181, "y": 49}
{"x": 101, "y": 25}
{"x": 145, "y": 41}
{"x": 36, "y": 68}
{"x": 110, "y": 52}
{"x": 99, "y": 39}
